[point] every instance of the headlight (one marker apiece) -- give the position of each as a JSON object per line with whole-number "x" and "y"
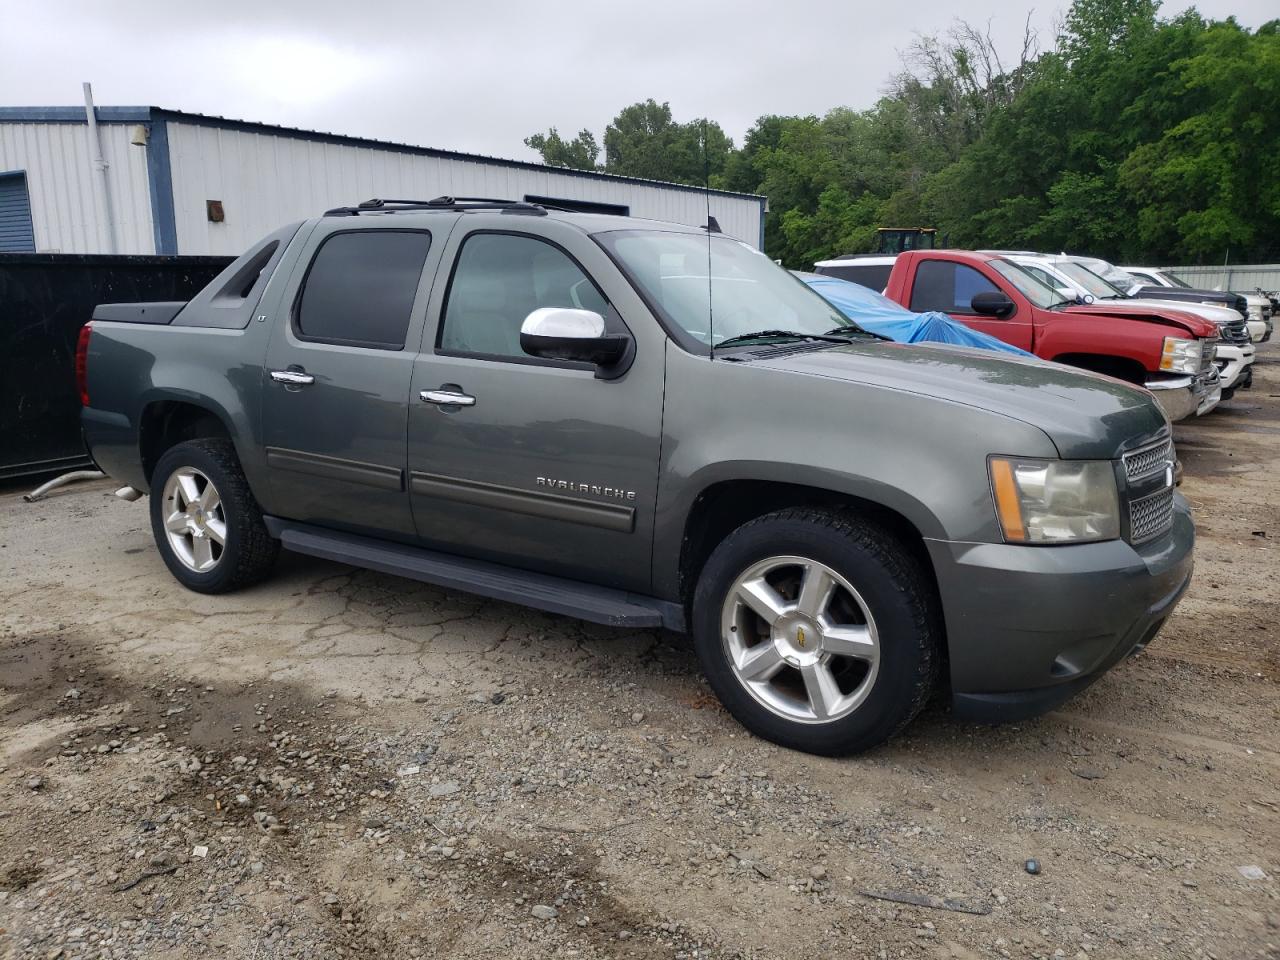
{"x": 1055, "y": 501}
{"x": 1181, "y": 356}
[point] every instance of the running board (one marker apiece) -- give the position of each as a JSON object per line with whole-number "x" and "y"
{"x": 572, "y": 598}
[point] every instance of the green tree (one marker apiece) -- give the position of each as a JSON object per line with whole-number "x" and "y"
{"x": 644, "y": 140}
{"x": 1210, "y": 183}
{"x": 1133, "y": 137}
{"x": 580, "y": 153}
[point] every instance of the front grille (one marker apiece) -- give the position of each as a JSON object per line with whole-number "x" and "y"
{"x": 1148, "y": 461}
{"x": 1237, "y": 331}
{"x": 1150, "y": 516}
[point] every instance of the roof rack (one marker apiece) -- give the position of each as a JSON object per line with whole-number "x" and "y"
{"x": 439, "y": 203}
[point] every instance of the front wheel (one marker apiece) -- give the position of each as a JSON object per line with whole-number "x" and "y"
{"x": 817, "y": 630}
{"x": 206, "y": 521}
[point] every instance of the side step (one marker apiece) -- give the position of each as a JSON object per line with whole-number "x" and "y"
{"x": 585, "y": 601}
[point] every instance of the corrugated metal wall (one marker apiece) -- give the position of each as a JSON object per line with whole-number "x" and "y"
{"x": 1243, "y": 278}
{"x": 66, "y": 211}
{"x": 266, "y": 180}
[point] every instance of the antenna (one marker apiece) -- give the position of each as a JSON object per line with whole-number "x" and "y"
{"x": 706, "y": 186}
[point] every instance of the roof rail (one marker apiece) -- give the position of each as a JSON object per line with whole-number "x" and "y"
{"x": 439, "y": 203}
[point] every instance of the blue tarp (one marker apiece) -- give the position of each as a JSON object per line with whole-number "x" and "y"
{"x": 878, "y": 314}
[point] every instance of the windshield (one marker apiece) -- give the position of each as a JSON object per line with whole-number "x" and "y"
{"x": 1176, "y": 281}
{"x": 1035, "y": 290}
{"x": 1122, "y": 281}
{"x": 1092, "y": 283}
{"x": 748, "y": 291}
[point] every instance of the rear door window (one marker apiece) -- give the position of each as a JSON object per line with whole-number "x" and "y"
{"x": 360, "y": 287}
{"x": 948, "y": 287}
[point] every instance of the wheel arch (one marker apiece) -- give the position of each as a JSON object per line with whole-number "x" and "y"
{"x": 166, "y": 420}
{"x": 1122, "y": 368}
{"x": 721, "y": 507}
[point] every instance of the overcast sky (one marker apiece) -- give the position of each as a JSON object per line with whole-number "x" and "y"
{"x": 481, "y": 75}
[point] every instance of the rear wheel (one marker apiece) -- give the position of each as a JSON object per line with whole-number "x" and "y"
{"x": 817, "y": 630}
{"x": 206, "y": 521}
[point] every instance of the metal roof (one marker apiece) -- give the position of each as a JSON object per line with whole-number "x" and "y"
{"x": 148, "y": 114}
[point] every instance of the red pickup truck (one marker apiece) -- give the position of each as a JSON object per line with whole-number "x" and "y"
{"x": 1166, "y": 350}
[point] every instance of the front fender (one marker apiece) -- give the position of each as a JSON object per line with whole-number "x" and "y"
{"x": 1075, "y": 333}
{"x": 922, "y": 457}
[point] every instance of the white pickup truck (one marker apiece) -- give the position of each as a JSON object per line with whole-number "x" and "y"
{"x": 1074, "y": 277}
{"x": 1261, "y": 317}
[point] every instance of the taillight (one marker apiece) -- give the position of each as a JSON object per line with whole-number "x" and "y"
{"x": 82, "y": 363}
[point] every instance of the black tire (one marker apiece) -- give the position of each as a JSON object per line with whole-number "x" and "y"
{"x": 249, "y": 552}
{"x": 888, "y": 579}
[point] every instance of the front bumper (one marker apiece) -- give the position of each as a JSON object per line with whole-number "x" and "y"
{"x": 1233, "y": 361}
{"x": 1183, "y": 396}
{"x": 1029, "y": 627}
{"x": 1212, "y": 393}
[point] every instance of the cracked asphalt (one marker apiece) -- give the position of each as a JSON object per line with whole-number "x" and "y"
{"x": 342, "y": 763}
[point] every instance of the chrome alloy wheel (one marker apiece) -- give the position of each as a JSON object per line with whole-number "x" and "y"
{"x": 800, "y": 639}
{"x": 193, "y": 519}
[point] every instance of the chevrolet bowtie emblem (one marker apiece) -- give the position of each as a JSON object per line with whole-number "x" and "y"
{"x": 800, "y": 636}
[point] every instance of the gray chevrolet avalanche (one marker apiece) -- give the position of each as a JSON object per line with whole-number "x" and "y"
{"x": 649, "y": 425}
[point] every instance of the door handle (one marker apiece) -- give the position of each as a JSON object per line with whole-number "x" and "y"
{"x": 295, "y": 378}
{"x": 448, "y": 398}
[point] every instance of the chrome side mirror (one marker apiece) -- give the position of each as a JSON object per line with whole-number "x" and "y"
{"x": 562, "y": 333}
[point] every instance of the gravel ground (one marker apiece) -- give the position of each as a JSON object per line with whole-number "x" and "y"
{"x": 344, "y": 764}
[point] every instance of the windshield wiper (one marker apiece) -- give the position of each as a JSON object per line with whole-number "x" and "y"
{"x": 852, "y": 329}
{"x": 780, "y": 335}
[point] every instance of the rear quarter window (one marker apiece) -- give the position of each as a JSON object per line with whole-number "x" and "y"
{"x": 873, "y": 276}
{"x": 360, "y": 287}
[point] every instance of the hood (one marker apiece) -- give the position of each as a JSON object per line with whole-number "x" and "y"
{"x": 1214, "y": 313}
{"x": 1150, "y": 311}
{"x": 1192, "y": 294}
{"x": 1086, "y": 415}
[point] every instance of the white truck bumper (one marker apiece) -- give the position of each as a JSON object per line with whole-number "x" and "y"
{"x": 1234, "y": 361}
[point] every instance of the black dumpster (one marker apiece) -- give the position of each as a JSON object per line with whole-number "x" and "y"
{"x": 44, "y": 300}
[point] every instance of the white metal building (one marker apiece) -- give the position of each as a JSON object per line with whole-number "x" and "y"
{"x": 191, "y": 184}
